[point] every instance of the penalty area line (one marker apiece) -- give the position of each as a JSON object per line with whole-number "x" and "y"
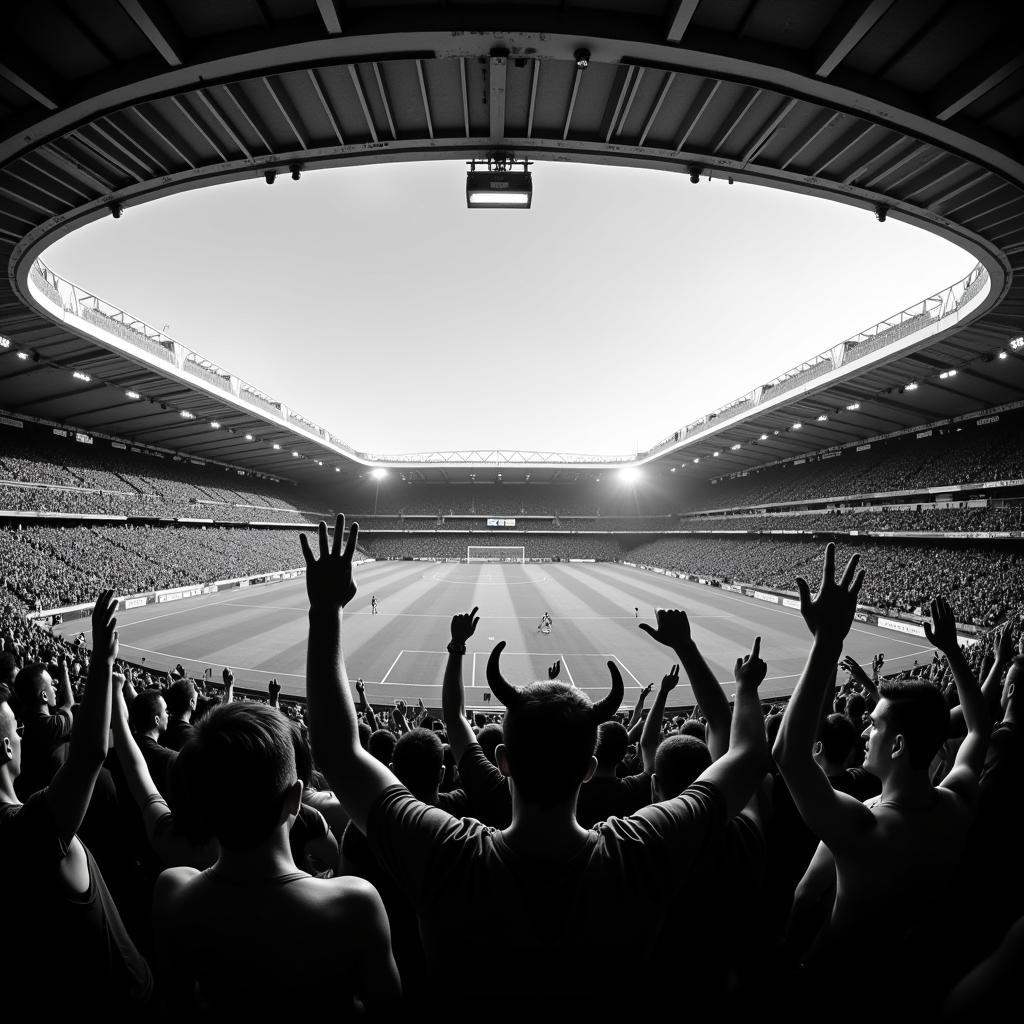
{"x": 384, "y": 678}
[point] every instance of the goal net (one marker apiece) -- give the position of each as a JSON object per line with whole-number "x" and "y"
{"x": 482, "y": 553}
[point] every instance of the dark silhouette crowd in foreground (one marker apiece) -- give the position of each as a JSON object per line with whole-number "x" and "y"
{"x": 166, "y": 861}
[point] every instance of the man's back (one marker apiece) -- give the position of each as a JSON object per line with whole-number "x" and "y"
{"x": 212, "y": 923}
{"x": 897, "y": 872}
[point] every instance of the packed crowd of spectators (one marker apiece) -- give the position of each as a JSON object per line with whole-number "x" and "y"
{"x": 994, "y": 519}
{"x": 959, "y": 454}
{"x": 988, "y": 581}
{"x": 171, "y": 834}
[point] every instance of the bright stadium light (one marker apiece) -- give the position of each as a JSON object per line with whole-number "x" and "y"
{"x": 133, "y": 395}
{"x": 822, "y": 418}
{"x": 736, "y": 447}
{"x": 696, "y": 460}
{"x": 186, "y": 415}
{"x": 673, "y": 469}
{"x": 764, "y": 437}
{"x": 214, "y": 424}
{"x": 853, "y": 407}
{"x": 379, "y": 473}
{"x": 1002, "y": 355}
{"x": 797, "y": 426}
{"x": 500, "y": 187}
{"x": 1016, "y": 343}
{"x": 715, "y": 454}
{"x": 295, "y": 455}
{"x": 78, "y": 375}
{"x": 23, "y": 355}
{"x": 277, "y": 447}
{"x": 912, "y": 386}
{"x": 248, "y": 437}
{"x": 337, "y": 469}
{"x": 5, "y": 342}
{"x": 629, "y": 475}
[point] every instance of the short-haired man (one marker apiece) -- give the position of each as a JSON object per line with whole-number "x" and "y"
{"x": 48, "y": 718}
{"x": 148, "y": 719}
{"x": 238, "y": 773}
{"x": 576, "y": 911}
{"x": 182, "y": 698}
{"x": 894, "y": 855}
{"x": 58, "y": 910}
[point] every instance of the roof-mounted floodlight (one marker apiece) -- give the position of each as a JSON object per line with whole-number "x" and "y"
{"x": 506, "y": 184}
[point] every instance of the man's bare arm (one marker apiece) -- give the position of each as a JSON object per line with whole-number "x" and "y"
{"x": 835, "y": 818}
{"x": 651, "y": 736}
{"x": 673, "y": 630}
{"x": 70, "y": 791}
{"x": 356, "y": 778}
{"x": 453, "y": 705}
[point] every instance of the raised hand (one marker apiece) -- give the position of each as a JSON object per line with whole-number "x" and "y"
{"x": 464, "y": 626}
{"x": 751, "y": 670}
{"x": 669, "y": 682}
{"x": 941, "y": 631}
{"x": 856, "y": 672}
{"x": 645, "y": 692}
{"x": 829, "y": 614}
{"x": 1004, "y": 646}
{"x": 329, "y": 582}
{"x": 673, "y": 629}
{"x": 273, "y": 688}
{"x": 401, "y": 706}
{"x": 360, "y": 688}
{"x": 555, "y": 669}
{"x": 104, "y": 627}
{"x": 228, "y": 677}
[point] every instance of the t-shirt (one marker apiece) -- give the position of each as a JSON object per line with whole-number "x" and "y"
{"x": 487, "y": 792}
{"x": 603, "y": 798}
{"x": 43, "y": 750}
{"x": 160, "y": 760}
{"x": 594, "y": 914}
{"x": 176, "y": 733}
{"x": 99, "y": 969}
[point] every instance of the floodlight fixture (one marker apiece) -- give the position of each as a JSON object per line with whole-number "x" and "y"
{"x": 736, "y": 447}
{"x": 506, "y": 184}
{"x": 797, "y": 426}
{"x": 379, "y": 473}
{"x": 912, "y": 386}
{"x": 133, "y": 395}
{"x": 248, "y": 437}
{"x": 296, "y": 170}
{"x": 822, "y": 418}
{"x": 337, "y": 469}
{"x": 629, "y": 475}
{"x": 582, "y": 56}
{"x": 673, "y": 469}
{"x": 270, "y": 177}
{"x": 214, "y": 424}
{"x": 1002, "y": 355}
{"x": 186, "y": 415}
{"x": 881, "y": 212}
{"x": 84, "y": 377}
{"x": 5, "y": 342}
{"x": 1017, "y": 343}
{"x": 764, "y": 437}
{"x": 295, "y": 455}
{"x": 946, "y": 374}
{"x": 715, "y": 454}
{"x": 694, "y": 173}
{"x": 853, "y": 407}
{"x": 277, "y": 447}
{"x": 116, "y": 209}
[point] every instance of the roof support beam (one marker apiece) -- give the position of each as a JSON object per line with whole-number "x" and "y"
{"x": 156, "y": 25}
{"x": 680, "y": 14}
{"x": 706, "y": 94}
{"x": 382, "y": 89}
{"x": 497, "y": 73}
{"x": 331, "y": 15}
{"x": 846, "y": 30}
{"x": 27, "y": 77}
{"x": 314, "y": 78}
{"x": 977, "y": 78}
{"x": 353, "y": 73}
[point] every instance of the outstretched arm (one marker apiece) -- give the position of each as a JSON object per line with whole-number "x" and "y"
{"x": 453, "y": 705}
{"x": 965, "y": 774}
{"x": 364, "y": 707}
{"x": 71, "y": 789}
{"x": 738, "y": 773}
{"x": 356, "y": 778}
{"x": 638, "y": 712}
{"x": 835, "y": 818}
{"x": 673, "y": 630}
{"x": 229, "y": 685}
{"x": 651, "y": 736}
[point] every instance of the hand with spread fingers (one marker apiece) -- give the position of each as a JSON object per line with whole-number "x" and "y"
{"x": 941, "y": 631}
{"x": 829, "y": 613}
{"x": 329, "y": 582}
{"x": 555, "y": 669}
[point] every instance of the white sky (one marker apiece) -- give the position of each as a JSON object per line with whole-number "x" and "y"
{"x": 624, "y": 304}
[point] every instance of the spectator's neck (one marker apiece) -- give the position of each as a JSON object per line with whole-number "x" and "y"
{"x": 547, "y": 832}
{"x": 908, "y": 788}
{"x": 270, "y": 859}
{"x": 7, "y": 794}
{"x": 607, "y": 773}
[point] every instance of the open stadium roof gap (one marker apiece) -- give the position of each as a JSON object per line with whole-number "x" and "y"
{"x": 903, "y": 122}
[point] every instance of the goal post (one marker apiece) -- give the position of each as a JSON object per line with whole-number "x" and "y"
{"x": 495, "y": 553}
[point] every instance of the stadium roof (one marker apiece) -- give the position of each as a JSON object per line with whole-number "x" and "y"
{"x": 910, "y": 110}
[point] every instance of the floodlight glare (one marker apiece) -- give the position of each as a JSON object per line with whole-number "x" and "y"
{"x": 214, "y": 424}
{"x": 764, "y": 437}
{"x": 1016, "y": 343}
{"x": 133, "y": 395}
{"x": 248, "y": 437}
{"x": 853, "y": 407}
{"x": 379, "y": 473}
{"x": 629, "y": 475}
{"x": 500, "y": 187}
{"x": 277, "y": 447}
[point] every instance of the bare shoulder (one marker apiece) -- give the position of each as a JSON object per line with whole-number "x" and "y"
{"x": 171, "y": 886}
